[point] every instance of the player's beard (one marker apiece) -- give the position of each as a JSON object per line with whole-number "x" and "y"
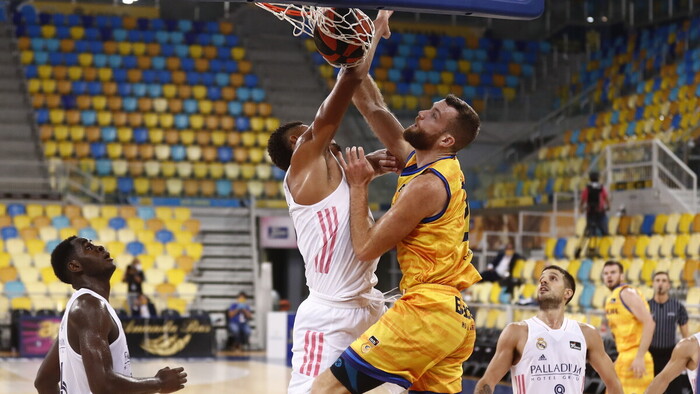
{"x": 418, "y": 138}
{"x": 549, "y": 301}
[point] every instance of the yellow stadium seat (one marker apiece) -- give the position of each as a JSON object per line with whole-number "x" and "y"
{"x": 22, "y": 221}
{"x": 177, "y": 304}
{"x": 165, "y": 262}
{"x": 34, "y": 246}
{"x": 21, "y": 303}
{"x": 154, "y": 276}
{"x": 154, "y": 248}
{"x": 115, "y": 248}
{"x": 116, "y": 277}
{"x": 42, "y": 260}
{"x": 195, "y": 250}
{"x": 106, "y": 235}
{"x": 175, "y": 276}
{"x": 21, "y": 260}
{"x": 144, "y": 235}
{"x": 99, "y": 223}
{"x": 28, "y": 274}
{"x": 14, "y": 246}
{"x": 58, "y": 288}
{"x": 187, "y": 291}
{"x": 174, "y": 249}
{"x": 91, "y": 211}
{"x": 48, "y": 233}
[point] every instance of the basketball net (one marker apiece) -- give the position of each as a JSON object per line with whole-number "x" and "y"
{"x": 353, "y": 27}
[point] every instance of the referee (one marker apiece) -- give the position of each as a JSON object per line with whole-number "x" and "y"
{"x": 667, "y": 313}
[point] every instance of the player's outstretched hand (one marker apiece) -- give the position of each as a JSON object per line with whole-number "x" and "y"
{"x": 381, "y": 23}
{"x": 358, "y": 171}
{"x": 383, "y": 162}
{"x": 171, "y": 380}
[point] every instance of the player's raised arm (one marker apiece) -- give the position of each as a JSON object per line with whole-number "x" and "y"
{"x": 422, "y": 198}
{"x": 685, "y": 353}
{"x": 333, "y": 108}
{"x": 370, "y": 102}
{"x": 503, "y": 359}
{"x": 92, "y": 322}
{"x": 600, "y": 361}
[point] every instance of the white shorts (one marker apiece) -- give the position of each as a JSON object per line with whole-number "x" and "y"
{"x": 322, "y": 331}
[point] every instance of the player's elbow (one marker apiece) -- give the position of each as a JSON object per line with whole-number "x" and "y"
{"x": 365, "y": 255}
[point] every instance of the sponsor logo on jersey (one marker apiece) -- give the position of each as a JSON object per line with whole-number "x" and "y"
{"x": 555, "y": 369}
{"x": 374, "y": 340}
{"x": 542, "y": 358}
{"x": 575, "y": 345}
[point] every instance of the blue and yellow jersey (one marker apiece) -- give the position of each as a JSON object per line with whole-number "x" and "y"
{"x": 437, "y": 250}
{"x": 623, "y": 324}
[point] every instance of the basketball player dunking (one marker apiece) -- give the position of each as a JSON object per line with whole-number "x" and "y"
{"x": 90, "y": 354}
{"x": 342, "y": 301}
{"x": 685, "y": 356}
{"x": 421, "y": 342}
{"x": 548, "y": 353}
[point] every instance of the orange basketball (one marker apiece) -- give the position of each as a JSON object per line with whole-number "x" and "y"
{"x": 342, "y": 22}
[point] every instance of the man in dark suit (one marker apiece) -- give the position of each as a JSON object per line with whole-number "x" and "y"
{"x": 502, "y": 265}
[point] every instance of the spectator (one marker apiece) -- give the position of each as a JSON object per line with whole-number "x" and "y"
{"x": 595, "y": 203}
{"x": 133, "y": 277}
{"x": 144, "y": 308}
{"x": 239, "y": 314}
{"x": 502, "y": 265}
{"x": 668, "y": 313}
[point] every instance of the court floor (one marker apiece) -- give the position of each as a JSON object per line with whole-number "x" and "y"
{"x": 224, "y": 375}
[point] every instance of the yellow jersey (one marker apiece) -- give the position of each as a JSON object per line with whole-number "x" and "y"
{"x": 437, "y": 250}
{"x": 623, "y": 324}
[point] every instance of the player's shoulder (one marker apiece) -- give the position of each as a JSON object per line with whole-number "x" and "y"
{"x": 516, "y": 327}
{"x": 87, "y": 307}
{"x": 586, "y": 328}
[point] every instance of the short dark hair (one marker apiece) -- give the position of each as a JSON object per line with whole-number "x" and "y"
{"x": 661, "y": 273}
{"x": 594, "y": 176}
{"x": 569, "y": 280}
{"x": 466, "y": 127}
{"x": 617, "y": 263}
{"x": 278, "y": 145}
{"x": 61, "y": 255}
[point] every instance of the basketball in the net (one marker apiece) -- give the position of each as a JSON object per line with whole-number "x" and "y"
{"x": 343, "y": 22}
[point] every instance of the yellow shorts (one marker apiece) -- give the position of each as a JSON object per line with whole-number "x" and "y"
{"x": 630, "y": 384}
{"x": 420, "y": 342}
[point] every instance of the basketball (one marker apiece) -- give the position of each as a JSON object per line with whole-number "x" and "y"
{"x": 342, "y": 22}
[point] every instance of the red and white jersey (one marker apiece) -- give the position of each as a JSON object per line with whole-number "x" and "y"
{"x": 323, "y": 236}
{"x": 693, "y": 373}
{"x": 553, "y": 361}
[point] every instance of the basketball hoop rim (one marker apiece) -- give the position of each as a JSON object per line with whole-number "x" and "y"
{"x": 286, "y": 10}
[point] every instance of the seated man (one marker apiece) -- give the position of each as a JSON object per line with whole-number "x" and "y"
{"x": 238, "y": 315}
{"x": 502, "y": 266}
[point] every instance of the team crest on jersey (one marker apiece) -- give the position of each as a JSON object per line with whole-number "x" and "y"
{"x": 613, "y": 300}
{"x": 541, "y": 344}
{"x": 366, "y": 347}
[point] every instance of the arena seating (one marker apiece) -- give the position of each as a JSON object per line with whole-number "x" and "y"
{"x": 152, "y": 107}
{"x": 414, "y": 69}
{"x": 162, "y": 238}
{"x": 624, "y": 61}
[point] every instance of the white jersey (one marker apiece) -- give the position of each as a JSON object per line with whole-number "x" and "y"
{"x": 553, "y": 361}
{"x": 693, "y": 373}
{"x": 323, "y": 235}
{"x": 73, "y": 377}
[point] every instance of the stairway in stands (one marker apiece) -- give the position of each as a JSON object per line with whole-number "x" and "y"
{"x": 22, "y": 167}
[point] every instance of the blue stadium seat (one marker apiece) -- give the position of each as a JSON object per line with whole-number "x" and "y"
{"x": 129, "y": 104}
{"x": 87, "y": 233}
{"x": 584, "y": 271}
{"x": 182, "y": 121}
{"x": 145, "y": 213}
{"x": 138, "y": 89}
{"x": 60, "y": 222}
{"x": 178, "y": 152}
{"x": 648, "y": 225}
{"x": 559, "y": 248}
{"x": 242, "y": 123}
{"x": 117, "y": 223}
{"x": 108, "y": 134}
{"x": 42, "y": 115}
{"x": 164, "y": 236}
{"x": 135, "y": 248}
{"x": 125, "y": 185}
{"x": 223, "y": 188}
{"x": 14, "y": 289}
{"x": 8, "y": 232}
{"x": 16, "y": 209}
{"x": 225, "y": 154}
{"x": 140, "y": 135}
{"x": 98, "y": 150}
{"x": 191, "y": 106}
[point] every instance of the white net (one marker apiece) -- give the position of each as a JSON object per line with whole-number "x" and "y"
{"x": 349, "y": 25}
